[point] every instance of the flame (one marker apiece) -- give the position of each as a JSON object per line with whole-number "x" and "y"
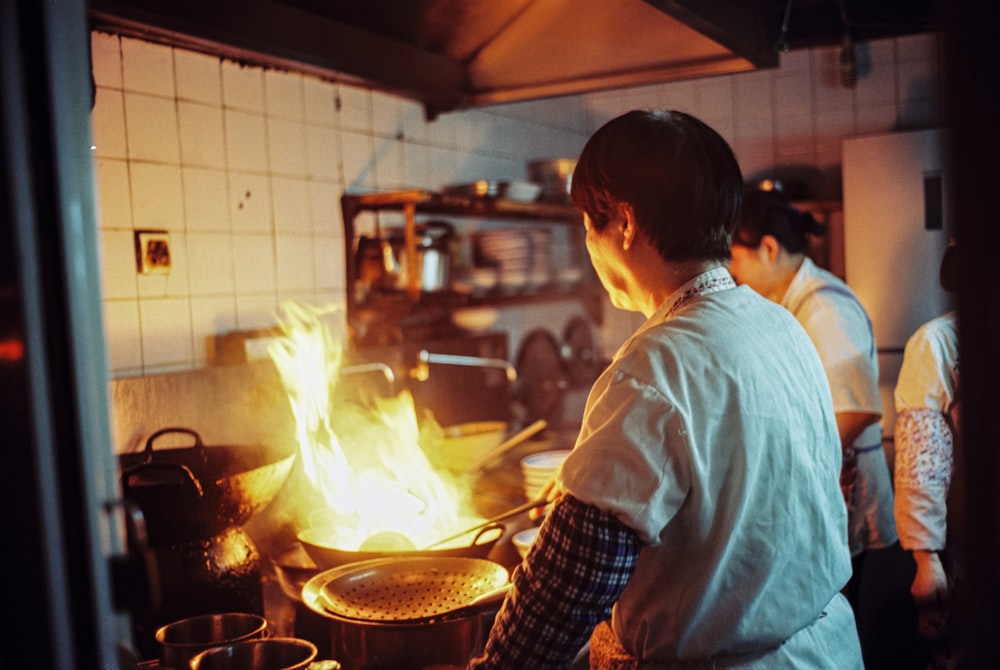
{"x": 363, "y": 459}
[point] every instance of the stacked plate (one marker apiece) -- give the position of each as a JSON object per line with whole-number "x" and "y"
{"x": 538, "y": 468}
{"x": 522, "y": 258}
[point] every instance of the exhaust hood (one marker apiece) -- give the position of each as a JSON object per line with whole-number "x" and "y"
{"x": 454, "y": 54}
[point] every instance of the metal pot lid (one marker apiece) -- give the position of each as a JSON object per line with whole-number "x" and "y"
{"x": 541, "y": 379}
{"x": 403, "y": 590}
{"x": 579, "y": 352}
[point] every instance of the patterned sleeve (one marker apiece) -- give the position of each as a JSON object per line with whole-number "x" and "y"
{"x": 578, "y": 565}
{"x": 922, "y": 476}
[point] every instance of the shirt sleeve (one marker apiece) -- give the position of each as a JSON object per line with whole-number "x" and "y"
{"x": 577, "y": 567}
{"x": 840, "y": 331}
{"x": 922, "y": 477}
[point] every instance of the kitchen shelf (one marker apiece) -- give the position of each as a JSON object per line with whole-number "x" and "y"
{"x": 410, "y": 306}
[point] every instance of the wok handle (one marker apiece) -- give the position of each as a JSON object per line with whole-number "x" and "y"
{"x": 185, "y": 475}
{"x": 198, "y": 443}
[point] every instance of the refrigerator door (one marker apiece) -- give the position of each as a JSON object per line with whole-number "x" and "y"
{"x": 896, "y": 229}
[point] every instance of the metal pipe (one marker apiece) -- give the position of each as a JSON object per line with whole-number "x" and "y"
{"x": 425, "y": 358}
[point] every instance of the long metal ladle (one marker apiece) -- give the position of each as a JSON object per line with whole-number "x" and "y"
{"x": 520, "y": 509}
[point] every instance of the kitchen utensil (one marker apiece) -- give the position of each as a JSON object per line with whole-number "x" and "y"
{"x": 325, "y": 556}
{"x": 520, "y": 509}
{"x": 464, "y": 444}
{"x": 273, "y": 653}
{"x": 432, "y": 264}
{"x": 507, "y": 445}
{"x": 555, "y": 175}
{"x": 180, "y": 641}
{"x": 518, "y": 191}
{"x": 196, "y": 492}
{"x": 408, "y": 590}
{"x": 541, "y": 379}
{"x": 402, "y": 645}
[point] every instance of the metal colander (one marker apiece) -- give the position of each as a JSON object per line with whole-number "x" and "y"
{"x": 406, "y": 589}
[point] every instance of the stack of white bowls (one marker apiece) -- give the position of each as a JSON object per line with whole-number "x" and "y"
{"x": 538, "y": 468}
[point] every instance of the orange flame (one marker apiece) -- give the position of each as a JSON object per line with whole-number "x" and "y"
{"x": 365, "y": 461}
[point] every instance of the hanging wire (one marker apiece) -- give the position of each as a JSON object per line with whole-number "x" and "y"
{"x": 782, "y": 42}
{"x": 848, "y": 58}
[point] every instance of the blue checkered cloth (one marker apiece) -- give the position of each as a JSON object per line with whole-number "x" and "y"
{"x": 577, "y": 567}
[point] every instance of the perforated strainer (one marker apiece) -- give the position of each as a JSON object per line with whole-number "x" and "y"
{"x": 406, "y": 589}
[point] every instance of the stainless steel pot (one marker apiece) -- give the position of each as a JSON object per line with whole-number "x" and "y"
{"x": 383, "y": 263}
{"x": 180, "y": 641}
{"x": 407, "y": 613}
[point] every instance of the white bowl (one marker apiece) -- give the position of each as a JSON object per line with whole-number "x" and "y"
{"x": 523, "y": 540}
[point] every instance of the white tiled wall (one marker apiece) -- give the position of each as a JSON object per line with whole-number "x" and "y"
{"x": 245, "y": 167}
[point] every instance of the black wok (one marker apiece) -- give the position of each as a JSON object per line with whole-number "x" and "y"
{"x": 197, "y": 492}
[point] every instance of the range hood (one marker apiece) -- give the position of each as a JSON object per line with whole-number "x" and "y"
{"x": 454, "y": 54}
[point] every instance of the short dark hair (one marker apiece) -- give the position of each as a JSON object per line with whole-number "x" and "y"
{"x": 771, "y": 213}
{"x": 678, "y": 174}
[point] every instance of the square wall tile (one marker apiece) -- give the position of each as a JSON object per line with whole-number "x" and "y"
{"x": 107, "y": 124}
{"x": 166, "y": 333}
{"x": 283, "y": 95}
{"x": 113, "y": 194}
{"x": 151, "y": 127}
{"x": 876, "y": 83}
{"x": 355, "y": 108}
{"x": 118, "y": 265}
{"x": 917, "y": 81}
{"x": 331, "y": 263}
{"x": 295, "y": 262}
{"x": 206, "y": 199}
{"x": 829, "y": 92}
{"x": 290, "y": 203}
{"x": 875, "y": 119}
{"x": 106, "y": 59}
{"x": 157, "y": 196}
{"x": 416, "y": 164}
{"x": 919, "y": 47}
{"x": 415, "y": 123}
{"x": 795, "y": 136}
{"x": 387, "y": 115}
{"x": 253, "y": 263}
{"x": 246, "y": 141}
{"x": 287, "y": 147}
{"x": 323, "y": 153}
{"x": 201, "y": 135}
{"x": 793, "y": 94}
{"x": 256, "y": 311}
{"x": 752, "y": 95}
{"x": 389, "y": 171}
{"x": 122, "y": 337}
{"x": 358, "y": 154}
{"x": 319, "y": 101}
{"x": 714, "y": 97}
{"x": 250, "y": 203}
{"x": 210, "y": 264}
{"x": 327, "y": 214}
{"x": 199, "y": 77}
{"x": 147, "y": 67}
{"x": 210, "y": 316}
{"x": 242, "y": 87}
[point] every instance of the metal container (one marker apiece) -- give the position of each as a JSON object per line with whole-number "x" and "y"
{"x": 182, "y": 640}
{"x": 407, "y": 613}
{"x": 555, "y": 175}
{"x": 274, "y": 653}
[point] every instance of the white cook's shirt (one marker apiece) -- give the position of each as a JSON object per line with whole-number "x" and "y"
{"x": 711, "y": 434}
{"x": 925, "y": 393}
{"x": 840, "y": 329}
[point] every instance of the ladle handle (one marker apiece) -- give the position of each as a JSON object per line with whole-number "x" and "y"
{"x": 520, "y": 509}
{"x": 504, "y": 447}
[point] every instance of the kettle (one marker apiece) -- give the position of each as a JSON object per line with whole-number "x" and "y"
{"x": 382, "y": 262}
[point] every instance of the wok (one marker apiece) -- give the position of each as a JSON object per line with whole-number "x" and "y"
{"x": 326, "y": 556}
{"x": 197, "y": 492}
